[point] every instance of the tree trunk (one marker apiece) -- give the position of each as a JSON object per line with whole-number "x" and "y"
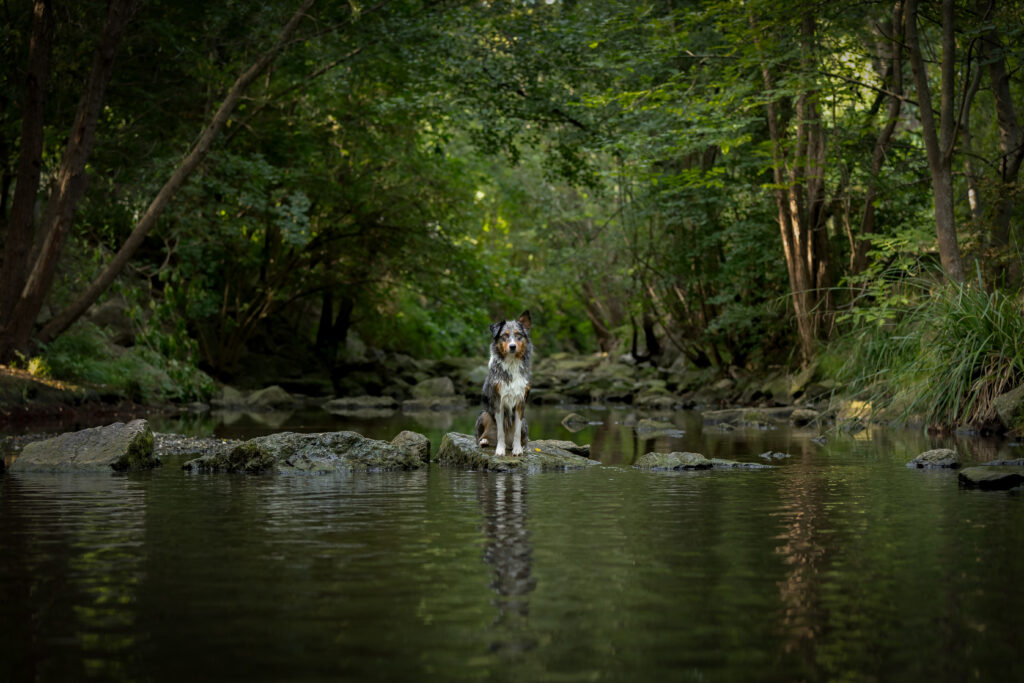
{"x": 1011, "y": 139}
{"x": 148, "y": 221}
{"x": 20, "y": 226}
{"x": 70, "y": 182}
{"x": 800, "y": 204}
{"x": 858, "y": 259}
{"x": 605, "y": 338}
{"x": 939, "y": 140}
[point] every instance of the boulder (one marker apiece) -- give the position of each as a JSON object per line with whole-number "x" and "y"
{"x": 574, "y": 422}
{"x": 435, "y": 386}
{"x": 656, "y": 400}
{"x": 801, "y": 417}
{"x": 991, "y": 477}
{"x": 744, "y": 417}
{"x": 270, "y": 398}
{"x": 652, "y": 429}
{"x": 316, "y": 453}
{"x": 936, "y": 458}
{"x": 414, "y": 441}
{"x": 117, "y": 447}
{"x": 730, "y": 416}
{"x": 113, "y": 316}
{"x": 460, "y": 450}
{"x": 228, "y": 397}
{"x": 1010, "y": 408}
{"x": 362, "y": 406}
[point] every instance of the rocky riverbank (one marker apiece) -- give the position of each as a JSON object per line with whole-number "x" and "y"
{"x": 385, "y": 384}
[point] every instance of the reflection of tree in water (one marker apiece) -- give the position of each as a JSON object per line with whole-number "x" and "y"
{"x": 509, "y": 552}
{"x": 803, "y": 511}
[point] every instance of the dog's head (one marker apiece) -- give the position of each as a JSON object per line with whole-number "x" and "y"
{"x": 511, "y": 338}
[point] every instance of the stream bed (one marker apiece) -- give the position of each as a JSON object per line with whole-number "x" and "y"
{"x": 838, "y": 564}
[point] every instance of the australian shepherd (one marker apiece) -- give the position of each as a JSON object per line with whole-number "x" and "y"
{"x": 502, "y": 423}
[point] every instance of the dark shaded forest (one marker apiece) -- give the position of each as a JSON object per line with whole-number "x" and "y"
{"x": 241, "y": 190}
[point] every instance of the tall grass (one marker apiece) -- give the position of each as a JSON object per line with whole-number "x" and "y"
{"x": 943, "y": 352}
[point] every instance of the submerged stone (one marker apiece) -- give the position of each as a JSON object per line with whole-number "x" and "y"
{"x": 119, "y": 447}
{"x": 722, "y": 464}
{"x": 460, "y": 450}
{"x": 574, "y": 422}
{"x": 991, "y": 477}
{"x": 316, "y": 453}
{"x": 672, "y": 461}
{"x": 652, "y": 429}
{"x": 936, "y": 458}
{"x": 692, "y": 461}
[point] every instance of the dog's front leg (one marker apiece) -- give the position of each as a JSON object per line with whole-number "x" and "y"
{"x": 499, "y": 418}
{"x": 517, "y": 434}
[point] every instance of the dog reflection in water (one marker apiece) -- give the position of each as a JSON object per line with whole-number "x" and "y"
{"x": 502, "y": 423}
{"x": 509, "y": 552}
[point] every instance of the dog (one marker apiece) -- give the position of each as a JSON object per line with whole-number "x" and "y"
{"x": 502, "y": 423}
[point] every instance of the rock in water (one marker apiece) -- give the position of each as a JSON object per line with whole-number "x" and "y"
{"x": 691, "y": 461}
{"x": 119, "y": 447}
{"x": 936, "y": 458}
{"x": 991, "y": 477}
{"x": 672, "y": 461}
{"x": 653, "y": 429}
{"x": 460, "y": 450}
{"x": 418, "y": 443}
{"x": 316, "y": 453}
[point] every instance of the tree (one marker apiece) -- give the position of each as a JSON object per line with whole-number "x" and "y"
{"x": 24, "y": 289}
{"x": 940, "y": 139}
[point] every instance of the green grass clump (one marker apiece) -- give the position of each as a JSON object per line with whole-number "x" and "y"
{"x": 944, "y": 353}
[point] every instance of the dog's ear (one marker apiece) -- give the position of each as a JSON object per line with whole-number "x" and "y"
{"x": 496, "y": 328}
{"x": 524, "y": 319}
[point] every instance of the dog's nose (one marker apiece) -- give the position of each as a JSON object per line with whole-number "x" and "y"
{"x": 512, "y": 346}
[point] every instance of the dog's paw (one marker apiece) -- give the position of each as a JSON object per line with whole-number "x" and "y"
{"x": 517, "y": 452}
{"x": 499, "y": 451}
{"x": 483, "y": 443}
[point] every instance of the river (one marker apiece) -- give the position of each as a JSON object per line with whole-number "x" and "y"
{"x": 838, "y": 564}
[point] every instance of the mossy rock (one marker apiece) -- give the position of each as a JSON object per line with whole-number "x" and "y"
{"x": 319, "y": 453}
{"x": 937, "y": 458}
{"x": 673, "y": 461}
{"x": 414, "y": 441}
{"x": 117, "y": 447}
{"x": 460, "y": 450}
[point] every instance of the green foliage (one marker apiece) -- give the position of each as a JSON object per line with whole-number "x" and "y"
{"x": 945, "y": 354}
{"x": 84, "y": 354}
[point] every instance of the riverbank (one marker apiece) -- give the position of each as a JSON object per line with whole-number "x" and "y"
{"x": 384, "y": 384}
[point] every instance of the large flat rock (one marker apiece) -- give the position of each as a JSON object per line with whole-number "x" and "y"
{"x": 319, "y": 453}
{"x": 991, "y": 477}
{"x": 460, "y": 450}
{"x": 676, "y": 461}
{"x": 116, "y": 447}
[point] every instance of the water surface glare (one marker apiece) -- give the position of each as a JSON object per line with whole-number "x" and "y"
{"x": 839, "y": 564}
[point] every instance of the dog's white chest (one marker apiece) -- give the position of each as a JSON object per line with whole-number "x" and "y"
{"x": 513, "y": 391}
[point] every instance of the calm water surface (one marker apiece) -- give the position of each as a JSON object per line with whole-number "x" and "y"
{"x": 840, "y": 564}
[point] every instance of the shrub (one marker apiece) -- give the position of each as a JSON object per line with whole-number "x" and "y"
{"x": 944, "y": 352}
